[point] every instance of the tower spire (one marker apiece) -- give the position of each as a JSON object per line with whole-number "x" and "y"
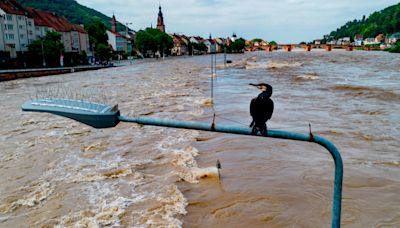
{"x": 113, "y": 24}
{"x": 160, "y": 20}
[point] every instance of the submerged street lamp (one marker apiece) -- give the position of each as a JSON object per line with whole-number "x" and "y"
{"x": 44, "y": 60}
{"x": 105, "y": 116}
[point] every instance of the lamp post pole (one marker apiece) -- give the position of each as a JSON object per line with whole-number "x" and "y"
{"x": 127, "y": 35}
{"x": 44, "y": 60}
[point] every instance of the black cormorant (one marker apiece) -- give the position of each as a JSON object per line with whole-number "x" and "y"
{"x": 261, "y": 109}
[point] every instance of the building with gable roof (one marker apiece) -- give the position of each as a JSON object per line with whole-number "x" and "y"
{"x": 21, "y": 26}
{"x": 117, "y": 41}
{"x": 74, "y": 37}
{"x": 180, "y": 45}
{"x": 394, "y": 38}
{"x": 17, "y": 28}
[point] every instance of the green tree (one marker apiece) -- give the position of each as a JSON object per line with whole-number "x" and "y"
{"x": 272, "y": 43}
{"x": 153, "y": 40}
{"x": 97, "y": 33}
{"x": 386, "y": 21}
{"x": 396, "y": 48}
{"x": 238, "y": 45}
{"x": 202, "y": 47}
{"x": 52, "y": 49}
{"x": 257, "y": 40}
{"x": 104, "y": 52}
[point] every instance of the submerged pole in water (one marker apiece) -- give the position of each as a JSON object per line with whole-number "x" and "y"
{"x": 338, "y": 179}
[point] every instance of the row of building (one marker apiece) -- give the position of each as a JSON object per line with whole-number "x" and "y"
{"x": 20, "y": 26}
{"x": 122, "y": 41}
{"x": 181, "y": 44}
{"x": 359, "y": 40}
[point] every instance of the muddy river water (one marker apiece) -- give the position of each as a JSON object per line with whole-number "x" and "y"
{"x": 55, "y": 172}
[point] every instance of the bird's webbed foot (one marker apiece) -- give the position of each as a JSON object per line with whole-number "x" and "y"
{"x": 264, "y": 131}
{"x": 254, "y": 130}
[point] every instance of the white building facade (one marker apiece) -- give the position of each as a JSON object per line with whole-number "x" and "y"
{"x": 17, "y": 28}
{"x": 21, "y": 26}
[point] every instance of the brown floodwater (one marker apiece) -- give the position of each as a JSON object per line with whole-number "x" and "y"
{"x": 55, "y": 172}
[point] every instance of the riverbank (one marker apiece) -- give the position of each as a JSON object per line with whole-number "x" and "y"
{"x": 7, "y": 75}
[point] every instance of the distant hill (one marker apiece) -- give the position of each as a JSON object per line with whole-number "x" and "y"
{"x": 71, "y": 10}
{"x": 386, "y": 21}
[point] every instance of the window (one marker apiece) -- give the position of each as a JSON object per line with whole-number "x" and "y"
{"x": 19, "y": 18}
{"x": 9, "y": 36}
{"x": 22, "y": 36}
{"x": 10, "y": 27}
{"x": 29, "y": 23}
{"x": 21, "y": 27}
{"x": 30, "y": 32}
{"x": 9, "y": 17}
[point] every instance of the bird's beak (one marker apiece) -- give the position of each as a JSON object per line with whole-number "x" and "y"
{"x": 253, "y": 84}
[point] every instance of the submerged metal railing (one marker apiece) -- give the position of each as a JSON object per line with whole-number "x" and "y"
{"x": 337, "y": 188}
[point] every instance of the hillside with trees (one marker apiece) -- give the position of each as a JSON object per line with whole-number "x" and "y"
{"x": 71, "y": 10}
{"x": 386, "y": 21}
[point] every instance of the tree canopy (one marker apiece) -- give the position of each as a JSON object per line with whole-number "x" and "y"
{"x": 97, "y": 33}
{"x": 257, "y": 40}
{"x": 153, "y": 40}
{"x": 386, "y": 21}
{"x": 237, "y": 46}
{"x": 103, "y": 52}
{"x": 395, "y": 48}
{"x": 52, "y": 49}
{"x": 199, "y": 47}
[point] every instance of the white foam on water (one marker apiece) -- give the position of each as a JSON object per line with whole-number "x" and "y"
{"x": 170, "y": 204}
{"x": 108, "y": 214}
{"x": 208, "y": 172}
{"x": 205, "y": 102}
{"x": 282, "y": 64}
{"x": 36, "y": 195}
{"x": 256, "y": 65}
{"x": 307, "y": 77}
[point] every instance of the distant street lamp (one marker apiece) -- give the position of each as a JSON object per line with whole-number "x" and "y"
{"x": 126, "y": 26}
{"x": 127, "y": 35}
{"x": 44, "y": 60}
{"x": 23, "y": 55}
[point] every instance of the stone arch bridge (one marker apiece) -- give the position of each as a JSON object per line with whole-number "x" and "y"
{"x": 308, "y": 47}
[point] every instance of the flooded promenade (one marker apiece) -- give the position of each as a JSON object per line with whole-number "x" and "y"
{"x": 55, "y": 172}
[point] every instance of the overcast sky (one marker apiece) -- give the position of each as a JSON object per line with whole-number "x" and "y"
{"x": 279, "y": 20}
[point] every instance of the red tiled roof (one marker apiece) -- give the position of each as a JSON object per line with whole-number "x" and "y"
{"x": 178, "y": 39}
{"x": 12, "y": 7}
{"x": 117, "y": 34}
{"x": 60, "y": 24}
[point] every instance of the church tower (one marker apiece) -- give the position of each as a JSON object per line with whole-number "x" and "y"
{"x": 113, "y": 24}
{"x": 160, "y": 20}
